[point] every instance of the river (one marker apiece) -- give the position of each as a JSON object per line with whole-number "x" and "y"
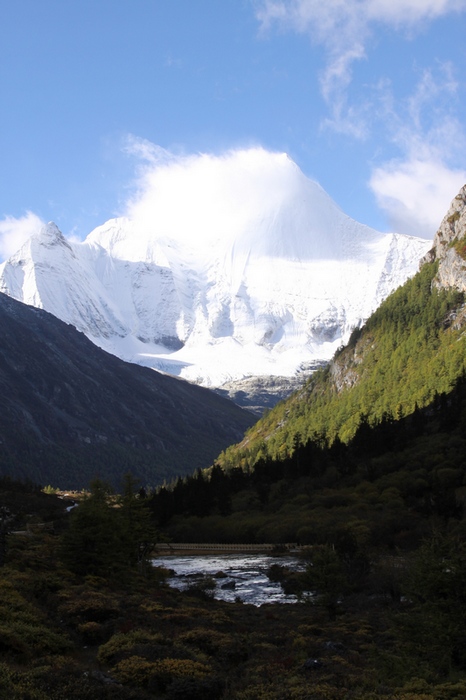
{"x": 237, "y": 576}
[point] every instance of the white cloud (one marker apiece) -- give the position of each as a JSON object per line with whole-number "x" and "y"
{"x": 349, "y": 20}
{"x": 409, "y": 12}
{"x": 343, "y": 28}
{"x": 200, "y": 198}
{"x": 415, "y": 189}
{"x": 145, "y": 150}
{"x": 415, "y": 194}
{"x": 15, "y": 231}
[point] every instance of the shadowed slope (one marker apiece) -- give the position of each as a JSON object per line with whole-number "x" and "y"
{"x": 71, "y": 411}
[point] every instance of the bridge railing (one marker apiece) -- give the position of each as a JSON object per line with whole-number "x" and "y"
{"x": 167, "y": 547}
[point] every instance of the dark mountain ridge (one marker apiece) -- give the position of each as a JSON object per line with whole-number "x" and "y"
{"x": 71, "y": 411}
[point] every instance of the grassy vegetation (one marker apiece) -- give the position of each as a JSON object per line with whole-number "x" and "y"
{"x": 85, "y": 637}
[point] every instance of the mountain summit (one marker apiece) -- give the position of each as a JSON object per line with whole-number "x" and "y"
{"x": 257, "y": 272}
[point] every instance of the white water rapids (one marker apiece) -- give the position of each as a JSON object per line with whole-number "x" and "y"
{"x": 237, "y": 576}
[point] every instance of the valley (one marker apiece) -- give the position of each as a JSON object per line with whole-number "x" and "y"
{"x": 233, "y": 350}
{"x": 363, "y": 467}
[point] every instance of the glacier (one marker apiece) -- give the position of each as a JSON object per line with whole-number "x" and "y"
{"x": 244, "y": 267}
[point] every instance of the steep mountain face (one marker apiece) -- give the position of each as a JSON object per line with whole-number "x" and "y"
{"x": 222, "y": 288}
{"x": 449, "y": 248}
{"x": 411, "y": 349}
{"x": 71, "y": 411}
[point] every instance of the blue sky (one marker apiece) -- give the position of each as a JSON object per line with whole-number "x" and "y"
{"x": 368, "y": 97}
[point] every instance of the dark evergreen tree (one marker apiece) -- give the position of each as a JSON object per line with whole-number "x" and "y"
{"x": 220, "y": 489}
{"x": 92, "y": 543}
{"x": 138, "y": 534}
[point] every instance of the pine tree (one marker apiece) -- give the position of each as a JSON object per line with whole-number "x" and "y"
{"x": 138, "y": 534}
{"x": 92, "y": 543}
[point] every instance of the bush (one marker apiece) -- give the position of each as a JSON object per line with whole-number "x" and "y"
{"x": 134, "y": 671}
{"x": 121, "y": 645}
{"x": 157, "y": 675}
{"x": 203, "y": 588}
{"x": 90, "y": 606}
{"x": 208, "y": 641}
{"x": 31, "y": 639}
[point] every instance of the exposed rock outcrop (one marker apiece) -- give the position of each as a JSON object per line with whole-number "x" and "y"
{"x": 450, "y": 246}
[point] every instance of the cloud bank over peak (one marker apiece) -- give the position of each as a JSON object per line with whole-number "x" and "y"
{"x": 225, "y": 266}
{"x": 203, "y": 198}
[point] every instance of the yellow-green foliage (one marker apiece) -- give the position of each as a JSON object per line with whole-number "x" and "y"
{"x": 460, "y": 247}
{"x": 122, "y": 644}
{"x": 405, "y": 355}
{"x": 92, "y": 632}
{"x": 17, "y": 686}
{"x": 134, "y": 670}
{"x": 208, "y": 641}
{"x": 89, "y": 605}
{"x": 138, "y": 671}
{"x": 23, "y": 629}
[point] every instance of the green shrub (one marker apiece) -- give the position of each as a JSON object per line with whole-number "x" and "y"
{"x": 140, "y": 672}
{"x": 90, "y": 606}
{"x": 134, "y": 671}
{"x": 208, "y": 641}
{"x": 123, "y": 644}
{"x": 32, "y": 639}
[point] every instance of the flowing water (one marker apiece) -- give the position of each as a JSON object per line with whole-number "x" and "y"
{"x": 237, "y": 576}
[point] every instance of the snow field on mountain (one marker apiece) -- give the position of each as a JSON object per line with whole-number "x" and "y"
{"x": 224, "y": 267}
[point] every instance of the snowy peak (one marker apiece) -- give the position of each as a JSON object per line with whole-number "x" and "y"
{"x": 49, "y": 273}
{"x": 50, "y": 236}
{"x": 225, "y": 267}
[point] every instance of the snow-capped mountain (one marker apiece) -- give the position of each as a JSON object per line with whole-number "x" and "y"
{"x": 259, "y": 273}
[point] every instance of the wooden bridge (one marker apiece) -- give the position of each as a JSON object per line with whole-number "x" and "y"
{"x": 215, "y": 548}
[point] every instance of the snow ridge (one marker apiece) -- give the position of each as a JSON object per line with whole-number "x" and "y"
{"x": 236, "y": 282}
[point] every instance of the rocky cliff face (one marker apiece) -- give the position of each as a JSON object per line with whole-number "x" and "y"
{"x": 450, "y": 246}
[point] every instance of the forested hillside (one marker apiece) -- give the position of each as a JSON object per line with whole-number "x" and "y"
{"x": 392, "y": 485}
{"x": 411, "y": 349}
